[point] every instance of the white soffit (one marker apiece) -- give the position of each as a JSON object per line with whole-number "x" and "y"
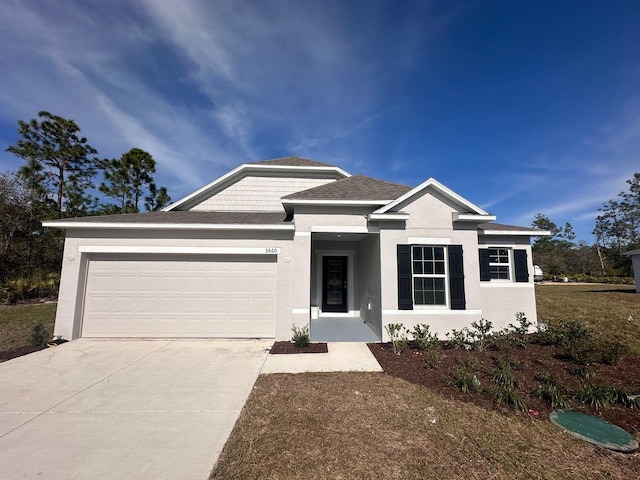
{"x": 163, "y": 226}
{"x": 179, "y": 250}
{"x": 527, "y": 233}
{"x": 378, "y": 217}
{"x": 470, "y": 217}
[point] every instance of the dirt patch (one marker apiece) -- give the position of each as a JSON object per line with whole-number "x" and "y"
{"x": 18, "y": 352}
{"x": 436, "y": 370}
{"x": 280, "y": 348}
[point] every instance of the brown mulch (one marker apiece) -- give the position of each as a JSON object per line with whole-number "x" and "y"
{"x": 289, "y": 347}
{"x": 529, "y": 361}
{"x": 18, "y": 352}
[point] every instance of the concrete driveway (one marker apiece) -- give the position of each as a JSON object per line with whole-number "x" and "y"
{"x": 95, "y": 409}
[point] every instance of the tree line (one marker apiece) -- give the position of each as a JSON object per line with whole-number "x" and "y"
{"x": 616, "y": 231}
{"x": 63, "y": 177}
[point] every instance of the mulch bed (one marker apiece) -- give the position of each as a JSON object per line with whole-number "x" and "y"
{"x": 288, "y": 347}
{"x": 18, "y": 352}
{"x": 529, "y": 361}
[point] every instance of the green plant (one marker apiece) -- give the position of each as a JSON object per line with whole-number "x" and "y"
{"x": 596, "y": 395}
{"x": 621, "y": 396}
{"x": 480, "y": 334}
{"x": 422, "y": 338}
{"x": 565, "y": 333}
{"x": 611, "y": 351}
{"x": 458, "y": 339}
{"x": 465, "y": 381}
{"x": 507, "y": 395}
{"x": 548, "y": 390}
{"x": 397, "y": 334}
{"x": 300, "y": 336}
{"x": 433, "y": 358}
{"x": 38, "y": 335}
{"x": 519, "y": 332}
{"x": 503, "y": 375}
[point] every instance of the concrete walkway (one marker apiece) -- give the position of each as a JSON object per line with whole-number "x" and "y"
{"x": 92, "y": 409}
{"x": 122, "y": 409}
{"x": 341, "y": 357}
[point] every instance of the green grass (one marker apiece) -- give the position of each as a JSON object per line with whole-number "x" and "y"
{"x": 17, "y": 322}
{"x": 603, "y": 308}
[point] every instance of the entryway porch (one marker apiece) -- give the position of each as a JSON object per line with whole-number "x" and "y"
{"x": 341, "y": 329}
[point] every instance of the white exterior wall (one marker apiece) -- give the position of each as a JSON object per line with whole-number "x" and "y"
{"x": 636, "y": 271}
{"x": 501, "y": 300}
{"x": 258, "y": 193}
{"x": 368, "y": 275}
{"x": 431, "y": 222}
{"x": 74, "y": 266}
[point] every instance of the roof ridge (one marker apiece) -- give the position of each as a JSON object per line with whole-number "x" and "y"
{"x": 291, "y": 160}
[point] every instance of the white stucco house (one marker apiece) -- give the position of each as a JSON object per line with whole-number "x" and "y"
{"x": 252, "y": 253}
{"x": 635, "y": 259}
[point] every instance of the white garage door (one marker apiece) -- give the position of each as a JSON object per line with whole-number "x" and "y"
{"x": 180, "y": 296}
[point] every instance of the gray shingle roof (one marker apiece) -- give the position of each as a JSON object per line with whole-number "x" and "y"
{"x": 292, "y": 162}
{"x": 186, "y": 217}
{"x": 501, "y": 226}
{"x": 357, "y": 187}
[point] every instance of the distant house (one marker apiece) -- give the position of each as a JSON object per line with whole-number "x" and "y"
{"x": 254, "y": 252}
{"x": 635, "y": 258}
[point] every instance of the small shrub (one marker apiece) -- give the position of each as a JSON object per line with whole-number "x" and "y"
{"x": 422, "y": 338}
{"x": 596, "y": 395}
{"x": 503, "y": 375}
{"x": 504, "y": 340}
{"x": 465, "y": 381}
{"x": 458, "y": 339}
{"x": 433, "y": 358}
{"x": 520, "y": 331}
{"x": 621, "y": 396}
{"x": 507, "y": 395}
{"x": 552, "y": 396}
{"x": 398, "y": 336}
{"x": 565, "y": 334}
{"x": 38, "y": 336}
{"x": 480, "y": 334}
{"x": 611, "y": 351}
{"x": 300, "y": 336}
{"x": 584, "y": 352}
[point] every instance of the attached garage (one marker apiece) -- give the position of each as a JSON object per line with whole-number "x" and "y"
{"x": 160, "y": 295}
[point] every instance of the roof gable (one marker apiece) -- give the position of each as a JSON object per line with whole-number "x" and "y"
{"x": 433, "y": 184}
{"x": 280, "y": 166}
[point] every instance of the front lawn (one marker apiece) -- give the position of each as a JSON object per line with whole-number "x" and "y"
{"x": 374, "y": 426}
{"x": 367, "y": 425}
{"x": 17, "y": 324}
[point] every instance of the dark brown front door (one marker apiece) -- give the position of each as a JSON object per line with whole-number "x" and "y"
{"x": 334, "y": 284}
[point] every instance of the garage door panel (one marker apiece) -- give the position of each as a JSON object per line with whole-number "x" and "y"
{"x": 147, "y": 296}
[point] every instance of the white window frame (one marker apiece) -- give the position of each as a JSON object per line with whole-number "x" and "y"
{"x": 509, "y": 264}
{"x": 444, "y": 276}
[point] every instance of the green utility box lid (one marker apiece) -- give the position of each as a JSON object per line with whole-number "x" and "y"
{"x": 595, "y": 430}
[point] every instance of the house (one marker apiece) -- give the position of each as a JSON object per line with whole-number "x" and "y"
{"x": 635, "y": 259}
{"x": 254, "y": 252}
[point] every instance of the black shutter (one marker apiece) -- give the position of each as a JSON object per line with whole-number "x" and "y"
{"x": 485, "y": 273}
{"x": 456, "y": 278}
{"x": 405, "y": 280}
{"x": 520, "y": 262}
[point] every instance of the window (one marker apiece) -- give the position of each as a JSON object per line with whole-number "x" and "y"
{"x": 429, "y": 269}
{"x": 499, "y": 263}
{"x": 432, "y": 275}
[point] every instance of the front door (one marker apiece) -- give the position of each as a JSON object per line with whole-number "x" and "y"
{"x": 334, "y": 284}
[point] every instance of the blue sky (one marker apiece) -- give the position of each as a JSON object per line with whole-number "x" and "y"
{"x": 519, "y": 106}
